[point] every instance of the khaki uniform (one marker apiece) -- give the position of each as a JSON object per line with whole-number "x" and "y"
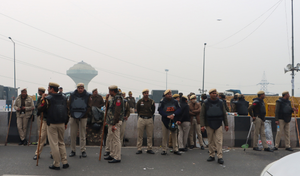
{"x": 123, "y": 126}
{"x": 215, "y": 137}
{"x": 57, "y": 144}
{"x": 132, "y": 104}
{"x": 115, "y": 116}
{"x": 79, "y": 125}
{"x": 183, "y": 134}
{"x": 145, "y": 110}
{"x": 165, "y": 135}
{"x": 23, "y": 116}
{"x": 195, "y": 123}
{"x": 56, "y": 137}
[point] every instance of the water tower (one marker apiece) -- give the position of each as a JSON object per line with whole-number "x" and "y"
{"x": 82, "y": 73}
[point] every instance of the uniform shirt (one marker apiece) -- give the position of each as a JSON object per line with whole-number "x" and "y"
{"x": 131, "y": 102}
{"x": 27, "y": 103}
{"x": 115, "y": 111}
{"x": 255, "y": 108}
{"x": 145, "y": 108}
{"x": 97, "y": 101}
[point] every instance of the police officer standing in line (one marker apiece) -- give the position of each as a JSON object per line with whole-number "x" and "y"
{"x": 44, "y": 126}
{"x": 212, "y": 115}
{"x": 131, "y": 102}
{"x": 234, "y": 99}
{"x": 283, "y": 113}
{"x": 24, "y": 106}
{"x": 114, "y": 120}
{"x": 145, "y": 109}
{"x": 126, "y": 116}
{"x": 177, "y": 98}
{"x": 97, "y": 103}
{"x": 184, "y": 124}
{"x": 258, "y": 112}
{"x": 169, "y": 110}
{"x": 55, "y": 110}
{"x": 223, "y": 98}
{"x": 241, "y": 106}
{"x": 194, "y": 112}
{"x": 79, "y": 105}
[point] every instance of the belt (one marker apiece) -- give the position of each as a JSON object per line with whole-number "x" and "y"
{"x": 145, "y": 117}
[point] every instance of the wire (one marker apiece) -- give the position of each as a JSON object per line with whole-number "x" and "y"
{"x": 278, "y": 2}
{"x": 252, "y": 31}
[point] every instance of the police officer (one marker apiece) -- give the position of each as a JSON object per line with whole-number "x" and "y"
{"x": 43, "y": 139}
{"x": 114, "y": 120}
{"x": 203, "y": 98}
{"x": 184, "y": 124}
{"x": 234, "y": 99}
{"x": 60, "y": 90}
{"x": 176, "y": 97}
{"x": 24, "y": 106}
{"x": 55, "y": 110}
{"x": 258, "y": 112}
{"x": 223, "y": 98}
{"x": 212, "y": 115}
{"x": 79, "y": 105}
{"x": 145, "y": 109}
{"x": 41, "y": 91}
{"x": 169, "y": 110}
{"x": 126, "y": 116}
{"x": 97, "y": 103}
{"x": 131, "y": 102}
{"x": 283, "y": 113}
{"x": 194, "y": 112}
{"x": 241, "y": 106}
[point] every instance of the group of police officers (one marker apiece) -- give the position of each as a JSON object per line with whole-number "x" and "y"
{"x": 181, "y": 117}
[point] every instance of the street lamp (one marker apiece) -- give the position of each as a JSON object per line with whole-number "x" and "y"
{"x": 291, "y": 67}
{"x": 166, "y": 78}
{"x": 203, "y": 91}
{"x": 14, "y": 61}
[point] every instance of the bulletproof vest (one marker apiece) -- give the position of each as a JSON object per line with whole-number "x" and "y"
{"x": 169, "y": 106}
{"x": 262, "y": 109}
{"x": 285, "y": 111}
{"x": 242, "y": 107}
{"x": 57, "y": 111}
{"x": 214, "y": 112}
{"x": 79, "y": 104}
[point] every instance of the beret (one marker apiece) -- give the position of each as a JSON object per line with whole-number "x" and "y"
{"x": 113, "y": 87}
{"x": 193, "y": 96}
{"x": 80, "y": 85}
{"x": 53, "y": 84}
{"x": 145, "y": 90}
{"x": 167, "y": 91}
{"x": 41, "y": 89}
{"x": 212, "y": 90}
{"x": 260, "y": 92}
{"x": 175, "y": 95}
{"x": 94, "y": 90}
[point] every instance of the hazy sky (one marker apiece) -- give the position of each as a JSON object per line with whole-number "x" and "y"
{"x": 132, "y": 42}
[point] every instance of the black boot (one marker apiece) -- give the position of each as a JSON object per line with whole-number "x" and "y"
{"x": 256, "y": 149}
{"x": 289, "y": 149}
{"x": 150, "y": 152}
{"x": 109, "y": 158}
{"x": 72, "y": 154}
{"x": 21, "y": 142}
{"x": 211, "y": 159}
{"x": 139, "y": 152}
{"x": 65, "y": 166}
{"x": 202, "y": 147}
{"x": 268, "y": 150}
{"x": 84, "y": 154}
{"x": 220, "y": 161}
{"x": 177, "y": 153}
{"x": 106, "y": 153}
{"x": 25, "y": 142}
{"x": 54, "y": 168}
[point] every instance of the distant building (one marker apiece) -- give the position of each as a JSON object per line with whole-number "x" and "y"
{"x": 82, "y": 73}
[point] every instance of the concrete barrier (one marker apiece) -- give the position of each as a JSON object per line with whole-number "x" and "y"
{"x": 235, "y": 137}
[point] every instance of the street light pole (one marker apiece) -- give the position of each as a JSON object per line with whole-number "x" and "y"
{"x": 293, "y": 72}
{"x": 14, "y": 61}
{"x": 166, "y": 78}
{"x": 203, "y": 67}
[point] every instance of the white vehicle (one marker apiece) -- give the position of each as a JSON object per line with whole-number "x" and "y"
{"x": 286, "y": 166}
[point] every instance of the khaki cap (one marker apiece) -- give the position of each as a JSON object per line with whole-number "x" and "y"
{"x": 94, "y": 90}
{"x": 175, "y": 95}
{"x": 193, "y": 97}
{"x": 113, "y": 87}
{"x": 260, "y": 92}
{"x": 145, "y": 90}
{"x": 285, "y": 92}
{"x": 23, "y": 89}
{"x": 53, "y": 84}
{"x": 123, "y": 92}
{"x": 185, "y": 97}
{"x": 167, "y": 91}
{"x": 130, "y": 93}
{"x": 80, "y": 85}
{"x": 41, "y": 89}
{"x": 212, "y": 90}
{"x": 237, "y": 94}
{"x": 241, "y": 96}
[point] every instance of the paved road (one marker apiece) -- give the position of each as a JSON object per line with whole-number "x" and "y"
{"x": 17, "y": 160}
